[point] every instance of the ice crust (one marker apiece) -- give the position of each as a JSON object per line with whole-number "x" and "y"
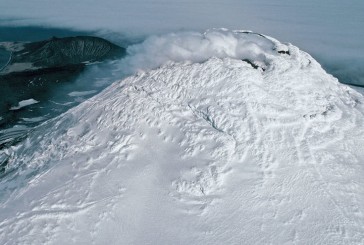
{"x": 24, "y": 103}
{"x": 207, "y": 152}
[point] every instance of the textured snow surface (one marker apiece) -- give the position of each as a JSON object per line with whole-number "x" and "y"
{"x": 215, "y": 152}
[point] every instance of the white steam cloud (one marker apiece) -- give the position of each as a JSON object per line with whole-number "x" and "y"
{"x": 197, "y": 47}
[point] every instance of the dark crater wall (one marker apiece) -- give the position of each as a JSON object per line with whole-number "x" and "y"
{"x": 62, "y": 52}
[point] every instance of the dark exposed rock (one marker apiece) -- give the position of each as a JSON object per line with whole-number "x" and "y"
{"x": 39, "y": 70}
{"x": 60, "y": 52}
{"x": 284, "y": 52}
{"x": 255, "y": 66}
{"x": 253, "y": 33}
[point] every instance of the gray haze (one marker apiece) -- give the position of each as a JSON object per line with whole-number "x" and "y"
{"x": 331, "y": 30}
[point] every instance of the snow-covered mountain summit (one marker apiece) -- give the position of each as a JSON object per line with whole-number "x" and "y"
{"x": 255, "y": 145}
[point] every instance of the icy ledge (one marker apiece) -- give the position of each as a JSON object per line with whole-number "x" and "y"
{"x": 216, "y": 152}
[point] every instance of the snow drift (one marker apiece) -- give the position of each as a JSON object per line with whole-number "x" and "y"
{"x": 216, "y": 152}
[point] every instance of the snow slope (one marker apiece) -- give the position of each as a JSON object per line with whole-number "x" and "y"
{"x": 209, "y": 152}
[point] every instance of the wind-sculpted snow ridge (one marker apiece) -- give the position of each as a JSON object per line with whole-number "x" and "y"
{"x": 216, "y": 152}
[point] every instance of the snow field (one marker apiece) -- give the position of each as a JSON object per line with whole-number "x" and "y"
{"x": 214, "y": 152}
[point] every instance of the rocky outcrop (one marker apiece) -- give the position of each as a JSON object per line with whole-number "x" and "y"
{"x": 38, "y": 69}
{"x": 59, "y": 53}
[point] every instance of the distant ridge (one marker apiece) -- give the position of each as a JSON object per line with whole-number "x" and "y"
{"x": 58, "y": 53}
